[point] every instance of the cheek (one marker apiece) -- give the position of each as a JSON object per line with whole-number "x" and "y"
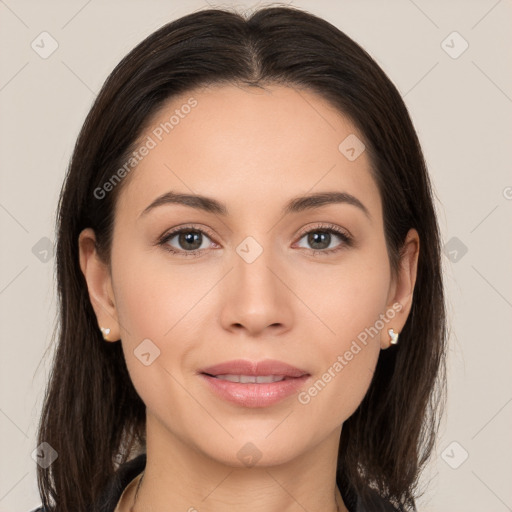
{"x": 337, "y": 392}
{"x": 165, "y": 304}
{"x": 154, "y": 298}
{"x": 348, "y": 361}
{"x": 350, "y": 347}
{"x": 350, "y": 297}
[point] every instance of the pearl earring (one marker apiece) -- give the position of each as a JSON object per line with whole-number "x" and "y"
{"x": 394, "y": 336}
{"x": 105, "y": 331}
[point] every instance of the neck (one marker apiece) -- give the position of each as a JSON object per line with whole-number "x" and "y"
{"x": 179, "y": 478}
{"x": 339, "y": 506}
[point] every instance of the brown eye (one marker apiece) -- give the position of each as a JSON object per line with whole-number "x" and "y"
{"x": 186, "y": 241}
{"x": 320, "y": 239}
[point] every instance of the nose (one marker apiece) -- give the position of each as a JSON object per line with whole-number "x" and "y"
{"x": 255, "y": 296}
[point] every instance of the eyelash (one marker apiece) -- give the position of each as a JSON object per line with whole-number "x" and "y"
{"x": 324, "y": 228}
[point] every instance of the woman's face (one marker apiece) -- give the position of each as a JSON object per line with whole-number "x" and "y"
{"x": 258, "y": 286}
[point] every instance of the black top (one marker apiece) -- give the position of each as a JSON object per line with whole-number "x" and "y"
{"x": 129, "y": 470}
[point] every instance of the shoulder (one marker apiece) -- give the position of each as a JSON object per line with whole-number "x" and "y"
{"x": 40, "y": 509}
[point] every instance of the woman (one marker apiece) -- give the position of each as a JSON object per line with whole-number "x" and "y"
{"x": 251, "y": 299}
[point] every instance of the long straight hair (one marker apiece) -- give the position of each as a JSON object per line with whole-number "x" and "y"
{"x": 92, "y": 415}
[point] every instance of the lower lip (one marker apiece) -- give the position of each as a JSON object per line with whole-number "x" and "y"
{"x": 254, "y": 395}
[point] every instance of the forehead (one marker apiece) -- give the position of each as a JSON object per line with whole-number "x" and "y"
{"x": 248, "y": 147}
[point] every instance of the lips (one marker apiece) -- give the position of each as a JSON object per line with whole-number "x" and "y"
{"x": 254, "y": 384}
{"x": 252, "y": 379}
{"x": 265, "y": 368}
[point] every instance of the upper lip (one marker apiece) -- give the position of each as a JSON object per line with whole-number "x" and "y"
{"x": 255, "y": 368}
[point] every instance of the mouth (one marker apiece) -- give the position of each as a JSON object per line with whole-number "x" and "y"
{"x": 251, "y": 379}
{"x": 268, "y": 368}
{"x": 254, "y": 384}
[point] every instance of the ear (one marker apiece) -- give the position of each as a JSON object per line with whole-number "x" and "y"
{"x": 99, "y": 284}
{"x": 402, "y": 288}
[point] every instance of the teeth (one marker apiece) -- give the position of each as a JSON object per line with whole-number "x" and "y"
{"x": 245, "y": 379}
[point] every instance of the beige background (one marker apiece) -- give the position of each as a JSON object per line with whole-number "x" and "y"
{"x": 461, "y": 108}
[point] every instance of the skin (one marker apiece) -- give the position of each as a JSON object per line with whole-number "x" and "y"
{"x": 253, "y": 150}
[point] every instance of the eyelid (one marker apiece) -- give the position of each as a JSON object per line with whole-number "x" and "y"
{"x": 162, "y": 240}
{"x": 326, "y": 226}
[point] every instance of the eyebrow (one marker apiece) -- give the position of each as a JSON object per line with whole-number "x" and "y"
{"x": 295, "y": 205}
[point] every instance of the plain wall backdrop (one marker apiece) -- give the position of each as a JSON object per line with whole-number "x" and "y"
{"x": 451, "y": 62}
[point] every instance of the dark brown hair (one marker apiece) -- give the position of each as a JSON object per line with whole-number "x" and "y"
{"x": 92, "y": 415}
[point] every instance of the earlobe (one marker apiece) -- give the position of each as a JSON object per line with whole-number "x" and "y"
{"x": 99, "y": 285}
{"x": 404, "y": 288}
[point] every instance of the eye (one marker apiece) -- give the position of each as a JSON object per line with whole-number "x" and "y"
{"x": 190, "y": 241}
{"x": 320, "y": 238}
